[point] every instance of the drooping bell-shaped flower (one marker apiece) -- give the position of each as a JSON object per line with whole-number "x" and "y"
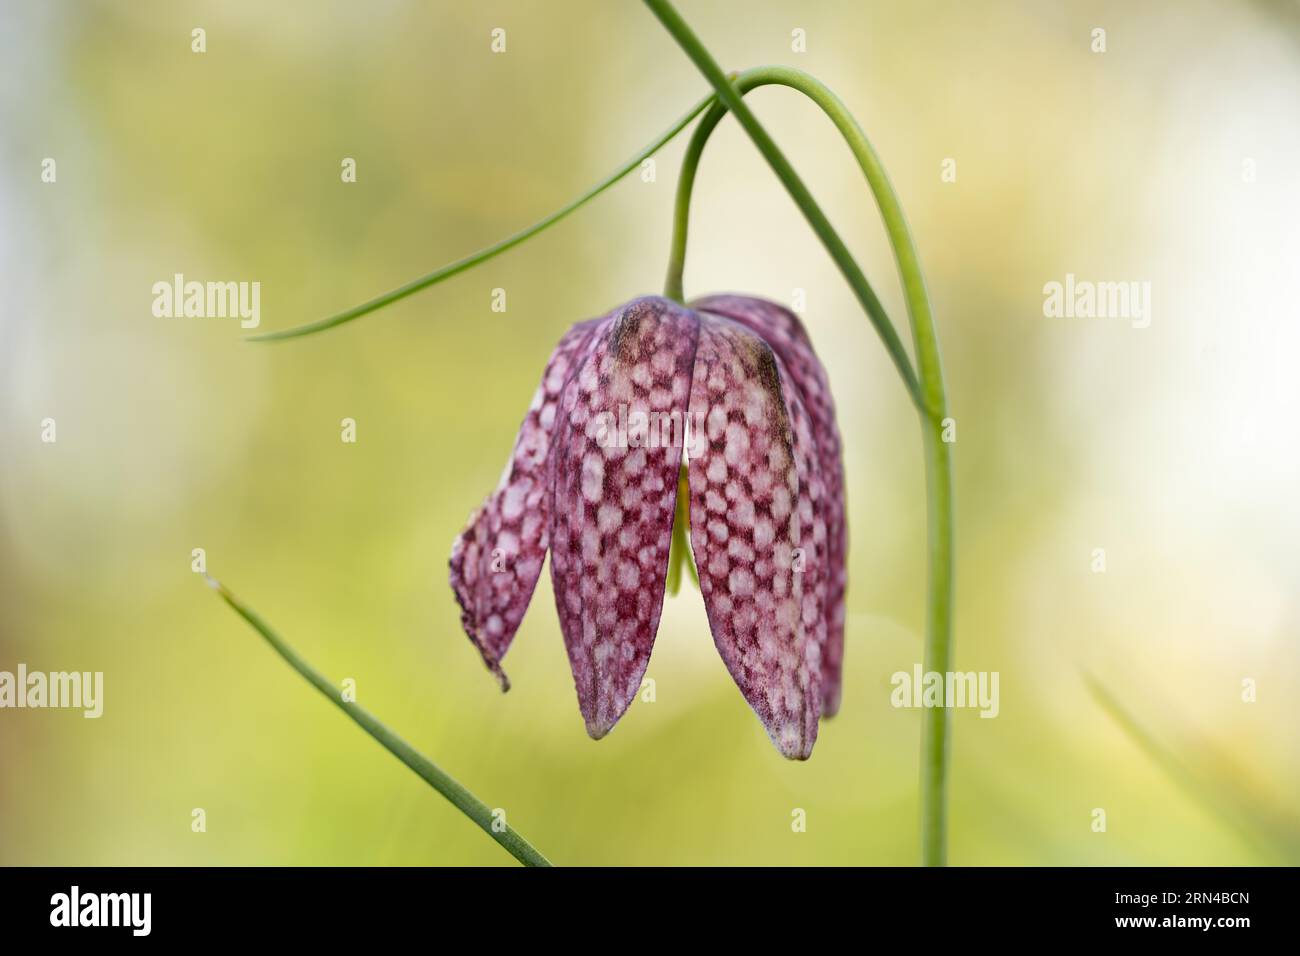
{"x": 730, "y": 387}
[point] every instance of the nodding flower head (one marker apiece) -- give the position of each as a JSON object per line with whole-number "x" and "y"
{"x": 728, "y": 387}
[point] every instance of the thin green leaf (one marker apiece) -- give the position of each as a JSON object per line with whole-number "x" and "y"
{"x": 1259, "y": 826}
{"x": 426, "y": 769}
{"x": 461, "y": 265}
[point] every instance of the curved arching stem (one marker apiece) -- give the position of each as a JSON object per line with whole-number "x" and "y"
{"x": 729, "y": 99}
{"x": 932, "y": 404}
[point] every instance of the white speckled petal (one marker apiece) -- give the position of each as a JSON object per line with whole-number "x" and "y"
{"x": 618, "y": 448}
{"x": 753, "y": 529}
{"x": 497, "y": 559}
{"x": 782, "y": 329}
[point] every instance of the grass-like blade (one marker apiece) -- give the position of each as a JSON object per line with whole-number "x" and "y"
{"x": 461, "y": 265}
{"x": 426, "y": 769}
{"x": 1267, "y": 832}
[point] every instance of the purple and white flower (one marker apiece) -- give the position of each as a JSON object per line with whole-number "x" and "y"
{"x": 767, "y": 519}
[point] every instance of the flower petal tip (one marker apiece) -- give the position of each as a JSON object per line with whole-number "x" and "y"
{"x": 830, "y": 702}
{"x": 500, "y": 675}
{"x": 793, "y": 742}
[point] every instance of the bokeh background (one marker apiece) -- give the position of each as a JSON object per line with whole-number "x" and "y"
{"x": 1173, "y": 158}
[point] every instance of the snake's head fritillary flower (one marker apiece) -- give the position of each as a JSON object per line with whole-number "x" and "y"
{"x": 730, "y": 387}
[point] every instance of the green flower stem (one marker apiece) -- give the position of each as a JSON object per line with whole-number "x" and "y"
{"x": 839, "y": 252}
{"x": 930, "y": 397}
{"x": 461, "y": 265}
{"x": 427, "y": 770}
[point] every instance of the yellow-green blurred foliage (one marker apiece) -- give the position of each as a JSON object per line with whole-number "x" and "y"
{"x": 1173, "y": 447}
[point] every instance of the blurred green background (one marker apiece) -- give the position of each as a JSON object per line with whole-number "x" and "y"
{"x": 1174, "y": 447}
